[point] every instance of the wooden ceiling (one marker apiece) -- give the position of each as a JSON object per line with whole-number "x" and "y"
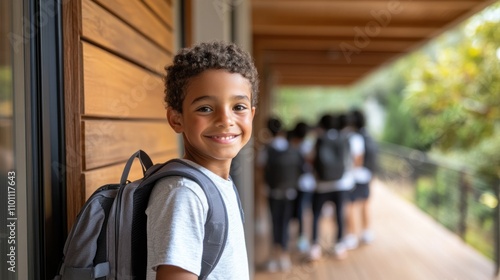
{"x": 338, "y": 42}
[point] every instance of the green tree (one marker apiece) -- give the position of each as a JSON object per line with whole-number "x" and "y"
{"x": 455, "y": 92}
{"x": 387, "y": 86}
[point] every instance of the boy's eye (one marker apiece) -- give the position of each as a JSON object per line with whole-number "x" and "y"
{"x": 240, "y": 107}
{"x": 204, "y": 109}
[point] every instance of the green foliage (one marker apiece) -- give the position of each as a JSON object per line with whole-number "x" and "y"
{"x": 5, "y": 84}
{"x": 387, "y": 87}
{"x": 485, "y": 159}
{"x": 308, "y": 104}
{"x": 425, "y": 196}
{"x": 400, "y": 127}
{"x": 5, "y": 92}
{"x": 388, "y": 82}
{"x": 455, "y": 93}
{"x": 476, "y": 239}
{"x": 439, "y": 196}
{"x": 480, "y": 225}
{"x": 450, "y": 103}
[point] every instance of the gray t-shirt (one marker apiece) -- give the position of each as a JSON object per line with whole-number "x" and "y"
{"x": 176, "y": 212}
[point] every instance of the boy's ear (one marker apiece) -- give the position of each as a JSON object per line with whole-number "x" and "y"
{"x": 175, "y": 120}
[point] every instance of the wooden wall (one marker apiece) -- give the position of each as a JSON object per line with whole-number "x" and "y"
{"x": 115, "y": 54}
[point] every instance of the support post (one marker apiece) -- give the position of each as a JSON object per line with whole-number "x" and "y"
{"x": 463, "y": 205}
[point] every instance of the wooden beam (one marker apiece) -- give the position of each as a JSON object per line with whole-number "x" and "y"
{"x": 345, "y": 31}
{"x": 313, "y": 81}
{"x": 299, "y": 34}
{"x": 378, "y": 44}
{"x": 320, "y": 70}
{"x": 327, "y": 58}
{"x": 318, "y": 6}
{"x": 75, "y": 191}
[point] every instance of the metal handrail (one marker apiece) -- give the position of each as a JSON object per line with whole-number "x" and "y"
{"x": 465, "y": 190}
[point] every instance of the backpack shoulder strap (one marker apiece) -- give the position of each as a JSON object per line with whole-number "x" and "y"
{"x": 216, "y": 226}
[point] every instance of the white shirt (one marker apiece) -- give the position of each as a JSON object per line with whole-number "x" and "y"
{"x": 361, "y": 174}
{"x": 177, "y": 212}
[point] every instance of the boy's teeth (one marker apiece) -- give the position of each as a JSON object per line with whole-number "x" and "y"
{"x": 224, "y": 138}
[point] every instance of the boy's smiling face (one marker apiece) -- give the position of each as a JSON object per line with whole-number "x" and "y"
{"x": 217, "y": 116}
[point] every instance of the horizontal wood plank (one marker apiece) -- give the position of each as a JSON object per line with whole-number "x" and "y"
{"x": 138, "y": 15}
{"x": 404, "y": 33}
{"x": 277, "y": 44}
{"x": 317, "y": 58}
{"x": 112, "y": 141}
{"x": 354, "y": 13}
{"x": 117, "y": 88}
{"x": 163, "y": 10}
{"x": 313, "y": 81}
{"x": 375, "y": 28}
{"x": 111, "y": 174}
{"x": 320, "y": 70}
{"x": 103, "y": 28}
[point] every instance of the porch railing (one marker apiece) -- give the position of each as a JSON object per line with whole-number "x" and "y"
{"x": 462, "y": 201}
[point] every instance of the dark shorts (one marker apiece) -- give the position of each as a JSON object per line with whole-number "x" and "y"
{"x": 360, "y": 192}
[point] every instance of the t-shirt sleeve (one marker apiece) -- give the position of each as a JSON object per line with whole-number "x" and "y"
{"x": 176, "y": 218}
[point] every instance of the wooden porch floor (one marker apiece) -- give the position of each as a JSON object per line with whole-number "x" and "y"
{"x": 409, "y": 245}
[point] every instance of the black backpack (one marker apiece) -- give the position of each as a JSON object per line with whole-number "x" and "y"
{"x": 283, "y": 168}
{"x": 331, "y": 156}
{"x": 108, "y": 239}
{"x": 371, "y": 152}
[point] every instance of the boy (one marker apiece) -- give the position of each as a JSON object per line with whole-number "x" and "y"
{"x": 211, "y": 94}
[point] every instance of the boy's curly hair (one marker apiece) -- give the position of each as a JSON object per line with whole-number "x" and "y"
{"x": 190, "y": 62}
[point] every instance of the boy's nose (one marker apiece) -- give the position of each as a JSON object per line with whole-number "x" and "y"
{"x": 225, "y": 118}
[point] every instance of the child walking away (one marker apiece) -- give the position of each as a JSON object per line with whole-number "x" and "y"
{"x": 332, "y": 164}
{"x": 210, "y": 94}
{"x": 306, "y": 184}
{"x": 283, "y": 165}
{"x": 365, "y": 164}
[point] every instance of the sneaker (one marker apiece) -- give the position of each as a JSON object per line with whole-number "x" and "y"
{"x": 303, "y": 244}
{"x": 315, "y": 252}
{"x": 350, "y": 242}
{"x": 272, "y": 266}
{"x": 367, "y": 236}
{"x": 340, "y": 250}
{"x": 285, "y": 263}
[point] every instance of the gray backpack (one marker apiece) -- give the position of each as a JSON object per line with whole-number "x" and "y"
{"x": 108, "y": 239}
